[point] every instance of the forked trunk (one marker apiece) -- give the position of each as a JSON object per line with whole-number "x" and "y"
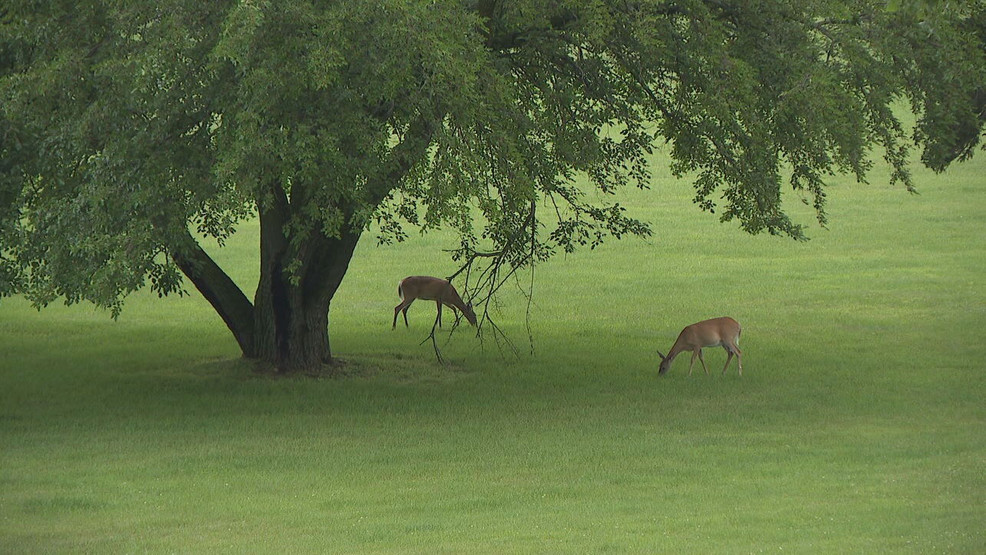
{"x": 287, "y": 324}
{"x": 291, "y": 308}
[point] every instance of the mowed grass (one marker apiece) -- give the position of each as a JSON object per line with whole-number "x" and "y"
{"x": 859, "y": 424}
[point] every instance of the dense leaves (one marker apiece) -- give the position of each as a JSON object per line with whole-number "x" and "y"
{"x": 133, "y": 130}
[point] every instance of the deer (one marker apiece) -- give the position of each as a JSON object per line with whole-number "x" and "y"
{"x": 430, "y": 289}
{"x": 718, "y": 332}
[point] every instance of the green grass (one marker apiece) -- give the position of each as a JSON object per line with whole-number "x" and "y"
{"x": 858, "y": 425}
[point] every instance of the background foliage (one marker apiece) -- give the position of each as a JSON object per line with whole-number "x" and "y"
{"x": 126, "y": 123}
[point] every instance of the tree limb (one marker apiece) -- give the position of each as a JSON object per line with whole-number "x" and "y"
{"x": 219, "y": 289}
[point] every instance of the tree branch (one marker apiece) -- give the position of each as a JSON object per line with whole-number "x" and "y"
{"x": 403, "y": 157}
{"x": 219, "y": 289}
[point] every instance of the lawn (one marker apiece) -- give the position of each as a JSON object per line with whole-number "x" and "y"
{"x": 859, "y": 423}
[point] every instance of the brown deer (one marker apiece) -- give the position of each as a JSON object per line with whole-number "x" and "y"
{"x": 430, "y": 289}
{"x": 718, "y": 332}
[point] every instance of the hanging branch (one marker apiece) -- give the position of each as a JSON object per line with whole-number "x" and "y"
{"x": 434, "y": 341}
{"x": 482, "y": 284}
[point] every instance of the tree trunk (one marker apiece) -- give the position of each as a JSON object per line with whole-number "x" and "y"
{"x": 291, "y": 306}
{"x": 287, "y": 324}
{"x": 293, "y": 331}
{"x": 291, "y": 311}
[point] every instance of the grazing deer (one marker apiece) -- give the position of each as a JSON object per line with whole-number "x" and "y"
{"x": 717, "y": 332}
{"x": 430, "y": 289}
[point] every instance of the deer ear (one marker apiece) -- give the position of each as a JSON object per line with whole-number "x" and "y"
{"x": 660, "y": 354}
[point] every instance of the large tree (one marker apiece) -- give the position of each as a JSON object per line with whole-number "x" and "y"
{"x": 131, "y": 131}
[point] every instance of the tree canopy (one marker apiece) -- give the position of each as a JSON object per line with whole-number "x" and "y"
{"x": 131, "y": 131}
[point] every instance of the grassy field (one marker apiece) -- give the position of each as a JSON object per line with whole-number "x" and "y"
{"x": 859, "y": 424}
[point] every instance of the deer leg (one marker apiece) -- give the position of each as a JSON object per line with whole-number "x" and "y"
{"x": 694, "y": 354}
{"x": 439, "y": 303}
{"x": 401, "y": 308}
{"x": 733, "y": 350}
{"x": 702, "y": 360}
